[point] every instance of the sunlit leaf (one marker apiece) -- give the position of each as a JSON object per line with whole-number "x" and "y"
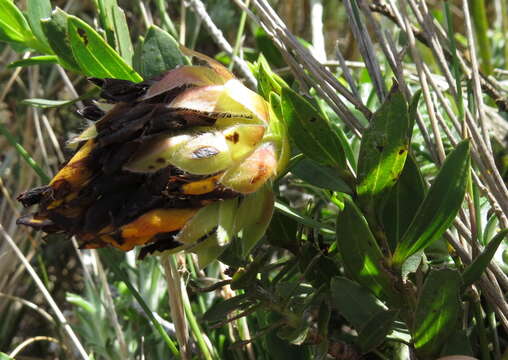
{"x": 37, "y": 10}
{"x": 56, "y": 31}
{"x": 437, "y": 312}
{"x": 439, "y": 207}
{"x": 94, "y": 56}
{"x": 383, "y": 150}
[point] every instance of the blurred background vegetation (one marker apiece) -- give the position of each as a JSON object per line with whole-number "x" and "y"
{"x": 281, "y": 304}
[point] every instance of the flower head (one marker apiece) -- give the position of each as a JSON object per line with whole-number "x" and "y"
{"x": 167, "y": 165}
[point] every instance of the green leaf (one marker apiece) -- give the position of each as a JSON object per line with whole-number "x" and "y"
{"x": 282, "y": 233}
{"x": 4, "y": 356}
{"x": 94, "y": 56}
{"x": 269, "y": 50}
{"x": 46, "y": 103}
{"x": 437, "y": 312}
{"x": 360, "y": 253}
{"x": 123, "y": 38}
{"x": 159, "y": 53}
{"x": 383, "y": 150}
{"x": 402, "y": 202}
{"x": 13, "y": 26}
{"x": 354, "y": 302}
{"x": 310, "y": 131}
{"x": 56, "y": 31}
{"x": 34, "y": 60}
{"x": 322, "y": 176}
{"x": 253, "y": 217}
{"x": 458, "y": 344}
{"x": 268, "y": 81}
{"x": 220, "y": 310}
{"x": 37, "y": 10}
{"x": 474, "y": 271}
{"x": 439, "y": 207}
{"x": 376, "y": 329}
{"x": 302, "y": 219}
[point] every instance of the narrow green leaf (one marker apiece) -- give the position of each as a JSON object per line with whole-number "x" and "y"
{"x": 13, "y": 25}
{"x": 413, "y": 108}
{"x": 46, "y": 103}
{"x": 302, "y": 219}
{"x": 376, "y": 329}
{"x": 361, "y": 254}
{"x": 94, "y": 56}
{"x": 159, "y": 53}
{"x": 123, "y": 38}
{"x": 37, "y": 10}
{"x": 437, "y": 312}
{"x": 105, "y": 10}
{"x": 474, "y": 271}
{"x": 34, "y": 60}
{"x": 24, "y": 154}
{"x": 354, "y": 302}
{"x": 310, "y": 131}
{"x": 439, "y": 207}
{"x": 383, "y": 150}
{"x": 56, "y": 31}
{"x": 402, "y": 202}
{"x": 322, "y": 176}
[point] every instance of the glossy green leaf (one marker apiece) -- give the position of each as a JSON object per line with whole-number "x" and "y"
{"x": 37, "y": 10}
{"x": 13, "y": 25}
{"x": 360, "y": 253}
{"x": 159, "y": 53}
{"x": 34, "y": 60}
{"x": 402, "y": 202}
{"x": 310, "y": 131}
{"x": 94, "y": 56}
{"x": 56, "y": 31}
{"x": 122, "y": 35}
{"x": 439, "y": 207}
{"x": 383, "y": 149}
{"x": 374, "y": 332}
{"x": 437, "y": 312}
{"x": 474, "y": 271}
{"x": 322, "y": 176}
{"x": 354, "y": 302}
